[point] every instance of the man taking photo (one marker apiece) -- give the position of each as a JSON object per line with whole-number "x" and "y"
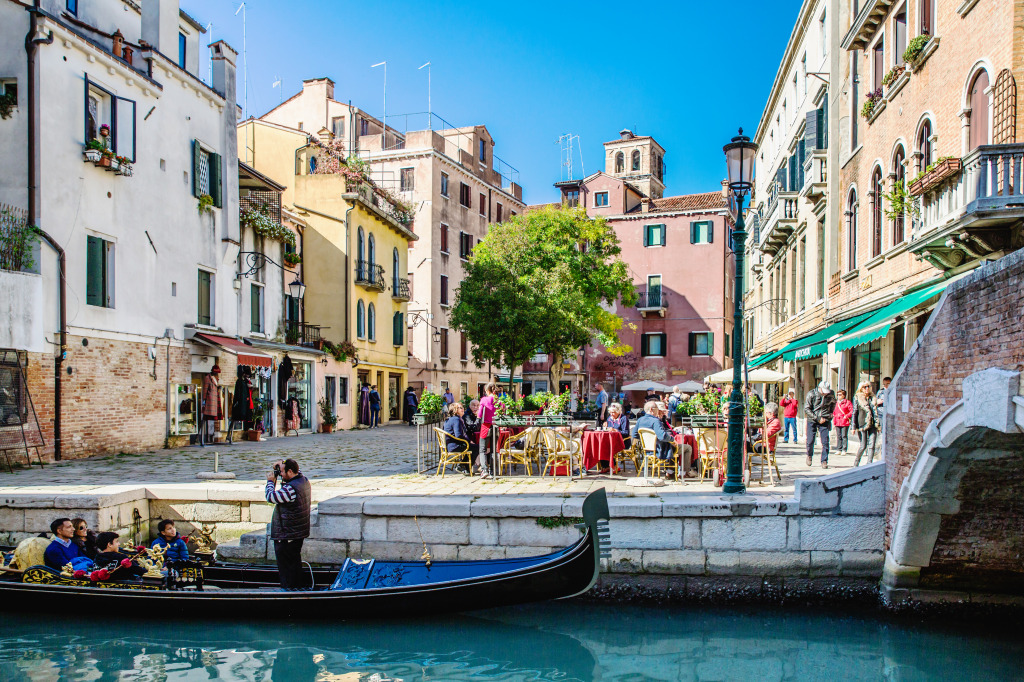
{"x": 290, "y": 523}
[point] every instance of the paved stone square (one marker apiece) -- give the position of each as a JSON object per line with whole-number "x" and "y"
{"x": 380, "y": 461}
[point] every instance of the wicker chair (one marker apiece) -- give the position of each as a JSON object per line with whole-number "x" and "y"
{"x": 713, "y": 446}
{"x": 445, "y": 458}
{"x": 562, "y": 450}
{"x": 652, "y": 462}
{"x": 522, "y": 449}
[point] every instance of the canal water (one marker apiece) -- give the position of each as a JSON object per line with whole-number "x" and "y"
{"x": 559, "y": 641}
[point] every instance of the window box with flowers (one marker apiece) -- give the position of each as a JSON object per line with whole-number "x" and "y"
{"x": 124, "y": 166}
{"x": 918, "y": 51}
{"x": 944, "y": 168}
{"x": 874, "y": 102}
{"x": 265, "y": 226}
{"x": 292, "y": 259}
{"x": 894, "y": 81}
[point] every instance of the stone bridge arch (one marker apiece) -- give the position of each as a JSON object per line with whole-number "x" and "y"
{"x": 960, "y": 523}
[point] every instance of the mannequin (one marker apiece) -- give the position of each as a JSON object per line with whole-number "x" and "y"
{"x": 212, "y": 409}
{"x": 241, "y": 405}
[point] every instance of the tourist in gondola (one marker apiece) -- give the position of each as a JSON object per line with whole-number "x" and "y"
{"x": 168, "y": 537}
{"x": 84, "y": 538}
{"x": 110, "y": 552}
{"x": 62, "y": 550}
{"x": 289, "y": 525}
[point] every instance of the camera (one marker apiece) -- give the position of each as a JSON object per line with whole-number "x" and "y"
{"x": 277, "y": 470}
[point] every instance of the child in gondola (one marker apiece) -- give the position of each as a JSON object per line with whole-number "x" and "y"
{"x": 168, "y": 537}
{"x": 109, "y": 546}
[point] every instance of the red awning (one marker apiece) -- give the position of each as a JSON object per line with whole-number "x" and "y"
{"x": 247, "y": 355}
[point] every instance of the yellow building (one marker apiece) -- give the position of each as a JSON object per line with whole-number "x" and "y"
{"x": 355, "y": 250}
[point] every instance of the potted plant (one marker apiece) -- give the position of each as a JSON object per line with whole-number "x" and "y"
{"x": 944, "y": 167}
{"x": 93, "y": 151}
{"x": 915, "y": 48}
{"x": 328, "y": 420}
{"x": 894, "y": 74}
{"x": 429, "y": 409}
{"x": 106, "y": 159}
{"x": 871, "y": 101}
{"x": 124, "y": 166}
{"x": 292, "y": 259}
{"x": 205, "y": 204}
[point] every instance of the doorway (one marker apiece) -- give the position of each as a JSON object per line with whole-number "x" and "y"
{"x": 394, "y": 391}
{"x": 331, "y": 393}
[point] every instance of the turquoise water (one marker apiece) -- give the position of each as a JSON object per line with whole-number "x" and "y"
{"x": 556, "y": 642}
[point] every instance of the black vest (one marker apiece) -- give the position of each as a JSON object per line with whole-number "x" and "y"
{"x": 291, "y": 519}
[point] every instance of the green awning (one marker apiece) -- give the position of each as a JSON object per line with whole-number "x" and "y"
{"x": 816, "y": 344}
{"x": 877, "y": 325}
{"x": 503, "y": 379}
{"x": 763, "y": 359}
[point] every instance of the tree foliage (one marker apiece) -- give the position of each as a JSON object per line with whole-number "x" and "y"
{"x": 544, "y": 281}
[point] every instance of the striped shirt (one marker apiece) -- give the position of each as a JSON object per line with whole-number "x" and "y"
{"x": 285, "y": 494}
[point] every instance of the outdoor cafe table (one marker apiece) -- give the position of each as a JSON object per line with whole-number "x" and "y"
{"x": 691, "y": 440}
{"x": 601, "y": 446}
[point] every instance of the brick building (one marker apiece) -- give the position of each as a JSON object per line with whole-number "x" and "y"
{"x": 923, "y": 140}
{"x": 678, "y": 251}
{"x": 129, "y": 141}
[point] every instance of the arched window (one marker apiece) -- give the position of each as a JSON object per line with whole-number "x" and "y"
{"x": 851, "y": 231}
{"x": 360, "y": 320}
{"x": 924, "y": 144}
{"x": 360, "y": 255}
{"x": 620, "y": 162}
{"x": 398, "y": 329}
{"x": 876, "y": 212}
{"x": 371, "y": 252}
{"x": 371, "y": 323}
{"x": 979, "y": 110}
{"x": 394, "y": 265}
{"x": 636, "y": 159}
{"x": 900, "y": 171}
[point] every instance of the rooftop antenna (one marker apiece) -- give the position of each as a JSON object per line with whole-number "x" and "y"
{"x": 277, "y": 84}
{"x": 566, "y": 144}
{"x": 245, "y": 66}
{"x": 430, "y": 115}
{"x": 384, "y": 120}
{"x": 209, "y": 66}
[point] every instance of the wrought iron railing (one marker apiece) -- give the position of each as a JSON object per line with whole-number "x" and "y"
{"x": 651, "y": 299}
{"x": 400, "y": 290}
{"x": 370, "y": 275}
{"x": 302, "y": 334}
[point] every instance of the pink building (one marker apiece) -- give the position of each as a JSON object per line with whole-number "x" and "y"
{"x": 678, "y": 251}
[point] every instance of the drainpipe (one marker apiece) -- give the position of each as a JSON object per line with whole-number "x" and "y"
{"x": 31, "y": 48}
{"x": 348, "y": 263}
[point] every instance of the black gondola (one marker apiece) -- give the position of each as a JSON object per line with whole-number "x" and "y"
{"x": 359, "y": 589}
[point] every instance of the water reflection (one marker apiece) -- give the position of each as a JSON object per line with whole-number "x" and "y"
{"x": 558, "y": 641}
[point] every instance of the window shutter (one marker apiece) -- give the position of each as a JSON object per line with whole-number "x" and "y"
{"x": 711, "y": 231}
{"x": 801, "y": 155}
{"x": 216, "y": 181}
{"x": 822, "y": 125}
{"x": 647, "y": 235}
{"x": 94, "y": 272}
{"x": 711, "y": 343}
{"x": 196, "y": 151}
{"x": 811, "y": 130}
{"x": 693, "y": 233}
{"x": 691, "y": 340}
{"x": 397, "y": 329}
{"x": 664, "y": 233}
{"x": 780, "y": 177}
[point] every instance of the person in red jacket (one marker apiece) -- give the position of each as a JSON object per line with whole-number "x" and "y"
{"x": 789, "y": 405}
{"x": 841, "y": 417}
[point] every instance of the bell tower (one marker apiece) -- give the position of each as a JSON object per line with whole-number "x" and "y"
{"x": 637, "y": 159}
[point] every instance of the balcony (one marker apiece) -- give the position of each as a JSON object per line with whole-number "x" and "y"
{"x": 400, "y": 290}
{"x": 370, "y": 275}
{"x": 815, "y": 175}
{"x": 972, "y": 213}
{"x": 780, "y": 223}
{"x": 302, "y": 334}
{"x": 653, "y": 301}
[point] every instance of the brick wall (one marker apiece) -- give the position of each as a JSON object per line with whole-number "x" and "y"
{"x": 977, "y": 325}
{"x": 114, "y": 398}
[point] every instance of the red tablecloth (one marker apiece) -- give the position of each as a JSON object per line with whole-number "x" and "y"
{"x": 601, "y": 446}
{"x": 692, "y": 442}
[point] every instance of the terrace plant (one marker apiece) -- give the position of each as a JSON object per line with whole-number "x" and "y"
{"x": 893, "y": 74}
{"x": 260, "y": 222}
{"x": 8, "y": 101}
{"x": 915, "y": 48}
{"x": 430, "y": 403}
{"x": 898, "y": 202}
{"x": 871, "y": 100}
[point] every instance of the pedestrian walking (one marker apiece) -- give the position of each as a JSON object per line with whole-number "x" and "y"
{"x": 841, "y": 418}
{"x": 819, "y": 406}
{"x": 865, "y": 422}
{"x": 410, "y": 404}
{"x": 789, "y": 406}
{"x": 374, "y": 407}
{"x": 487, "y": 410}
{"x": 602, "y": 405}
{"x": 448, "y": 398}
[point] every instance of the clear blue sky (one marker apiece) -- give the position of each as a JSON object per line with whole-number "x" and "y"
{"x": 687, "y": 73}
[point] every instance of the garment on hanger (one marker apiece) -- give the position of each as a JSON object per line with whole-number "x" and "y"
{"x": 284, "y": 375}
{"x": 364, "y": 405}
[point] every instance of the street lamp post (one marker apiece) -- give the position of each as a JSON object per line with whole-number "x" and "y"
{"x": 739, "y": 157}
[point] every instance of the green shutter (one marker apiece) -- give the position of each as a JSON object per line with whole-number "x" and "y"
{"x": 727, "y": 349}
{"x": 196, "y": 151}
{"x": 216, "y": 181}
{"x": 94, "y": 275}
{"x": 711, "y": 231}
{"x": 691, "y": 342}
{"x": 398, "y": 329}
{"x": 204, "y": 298}
{"x": 711, "y": 343}
{"x": 644, "y": 345}
{"x": 647, "y": 235}
{"x": 693, "y": 233}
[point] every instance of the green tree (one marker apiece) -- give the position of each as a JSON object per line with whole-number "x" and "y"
{"x": 543, "y": 281}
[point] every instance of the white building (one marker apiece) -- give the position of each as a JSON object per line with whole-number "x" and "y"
{"x": 147, "y": 254}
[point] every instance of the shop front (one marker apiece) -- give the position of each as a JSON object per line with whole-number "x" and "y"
{"x": 390, "y": 382}
{"x": 291, "y": 390}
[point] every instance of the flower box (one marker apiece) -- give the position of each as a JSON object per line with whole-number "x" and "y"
{"x": 126, "y": 170}
{"x": 943, "y": 170}
{"x": 421, "y": 419}
{"x": 105, "y": 161}
{"x": 92, "y": 155}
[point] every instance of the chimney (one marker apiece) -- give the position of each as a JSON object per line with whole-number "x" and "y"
{"x": 223, "y": 58}
{"x": 645, "y": 204}
{"x": 625, "y": 134}
{"x": 725, "y": 189}
{"x": 160, "y": 26}
{"x": 319, "y": 88}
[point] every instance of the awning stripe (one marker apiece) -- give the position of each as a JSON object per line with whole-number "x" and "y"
{"x": 877, "y": 326}
{"x": 245, "y": 355}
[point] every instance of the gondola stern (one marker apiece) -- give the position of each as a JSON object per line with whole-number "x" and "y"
{"x": 596, "y": 517}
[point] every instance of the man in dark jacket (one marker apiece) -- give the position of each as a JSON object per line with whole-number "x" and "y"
{"x": 374, "y": 407}
{"x": 289, "y": 525}
{"x": 666, "y": 447}
{"x": 62, "y": 550}
{"x": 818, "y": 408}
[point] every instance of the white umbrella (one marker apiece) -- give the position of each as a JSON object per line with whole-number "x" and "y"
{"x": 690, "y": 387}
{"x": 646, "y": 386}
{"x": 759, "y": 375}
